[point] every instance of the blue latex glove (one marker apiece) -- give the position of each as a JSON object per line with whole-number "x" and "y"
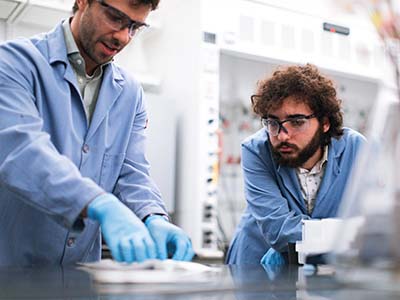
{"x": 272, "y": 257}
{"x": 125, "y": 234}
{"x": 273, "y": 271}
{"x": 169, "y": 239}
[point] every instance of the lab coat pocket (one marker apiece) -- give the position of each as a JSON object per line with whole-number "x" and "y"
{"x": 110, "y": 170}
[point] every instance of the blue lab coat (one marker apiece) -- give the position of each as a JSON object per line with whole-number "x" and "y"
{"x": 275, "y": 205}
{"x": 53, "y": 163}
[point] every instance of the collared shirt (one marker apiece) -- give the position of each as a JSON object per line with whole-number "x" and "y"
{"x": 89, "y": 86}
{"x": 310, "y": 180}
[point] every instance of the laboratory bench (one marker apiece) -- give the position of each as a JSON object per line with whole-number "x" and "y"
{"x": 231, "y": 282}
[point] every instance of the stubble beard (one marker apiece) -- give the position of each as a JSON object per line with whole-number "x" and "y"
{"x": 87, "y": 35}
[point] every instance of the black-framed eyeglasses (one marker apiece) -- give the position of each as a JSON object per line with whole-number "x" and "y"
{"x": 294, "y": 124}
{"x": 118, "y": 20}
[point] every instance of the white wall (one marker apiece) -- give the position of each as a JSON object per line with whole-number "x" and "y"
{"x": 2, "y": 30}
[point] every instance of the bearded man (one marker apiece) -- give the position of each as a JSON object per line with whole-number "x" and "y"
{"x": 296, "y": 167}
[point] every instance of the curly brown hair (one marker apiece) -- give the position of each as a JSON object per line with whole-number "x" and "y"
{"x": 306, "y": 84}
{"x": 153, "y": 3}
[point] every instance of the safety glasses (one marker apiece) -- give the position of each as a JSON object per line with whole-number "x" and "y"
{"x": 293, "y": 124}
{"x": 117, "y": 20}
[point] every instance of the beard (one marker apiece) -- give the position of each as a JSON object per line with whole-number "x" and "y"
{"x": 302, "y": 155}
{"x": 88, "y": 40}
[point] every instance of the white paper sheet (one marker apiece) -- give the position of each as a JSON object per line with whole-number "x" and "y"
{"x": 150, "y": 271}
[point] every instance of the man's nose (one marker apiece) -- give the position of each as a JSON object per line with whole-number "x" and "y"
{"x": 122, "y": 36}
{"x": 283, "y": 134}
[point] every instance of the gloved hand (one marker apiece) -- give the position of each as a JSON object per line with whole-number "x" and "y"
{"x": 272, "y": 257}
{"x": 169, "y": 239}
{"x": 125, "y": 234}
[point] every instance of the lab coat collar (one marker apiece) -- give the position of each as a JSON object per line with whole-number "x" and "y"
{"x": 57, "y": 51}
{"x": 56, "y": 45}
{"x": 332, "y": 170}
{"x": 292, "y": 184}
{"x": 110, "y": 91}
{"x": 112, "y": 82}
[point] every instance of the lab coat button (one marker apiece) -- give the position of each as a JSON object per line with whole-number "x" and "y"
{"x": 85, "y": 148}
{"x": 70, "y": 242}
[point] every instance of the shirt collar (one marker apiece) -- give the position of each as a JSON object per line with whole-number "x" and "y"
{"x": 69, "y": 38}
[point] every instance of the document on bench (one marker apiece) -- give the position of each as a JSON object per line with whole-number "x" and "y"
{"x": 150, "y": 271}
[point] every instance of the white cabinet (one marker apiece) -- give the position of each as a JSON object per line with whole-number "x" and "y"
{"x": 10, "y": 8}
{"x": 44, "y": 13}
{"x": 35, "y": 12}
{"x": 283, "y": 32}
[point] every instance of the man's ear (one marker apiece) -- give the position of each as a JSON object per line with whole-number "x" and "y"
{"x": 325, "y": 124}
{"x": 82, "y": 4}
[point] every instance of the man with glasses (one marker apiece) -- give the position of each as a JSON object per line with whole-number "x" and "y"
{"x": 72, "y": 160}
{"x": 296, "y": 167}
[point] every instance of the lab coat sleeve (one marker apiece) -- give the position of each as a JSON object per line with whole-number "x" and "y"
{"x": 279, "y": 225}
{"x": 30, "y": 165}
{"x": 135, "y": 187}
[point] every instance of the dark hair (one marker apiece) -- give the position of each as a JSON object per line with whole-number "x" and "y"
{"x": 305, "y": 84}
{"x": 153, "y": 3}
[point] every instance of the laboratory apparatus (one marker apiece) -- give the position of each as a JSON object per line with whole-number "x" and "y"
{"x": 367, "y": 250}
